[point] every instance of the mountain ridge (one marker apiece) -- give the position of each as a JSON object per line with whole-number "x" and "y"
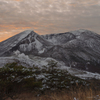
{"x": 79, "y": 49}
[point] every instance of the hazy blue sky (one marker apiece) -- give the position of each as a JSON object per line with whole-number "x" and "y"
{"x": 48, "y": 16}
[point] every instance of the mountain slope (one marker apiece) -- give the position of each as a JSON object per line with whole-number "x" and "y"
{"x": 83, "y": 41}
{"x": 28, "y": 42}
{"x": 79, "y": 49}
{"x": 6, "y": 45}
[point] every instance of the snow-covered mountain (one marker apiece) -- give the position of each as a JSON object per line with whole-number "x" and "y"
{"x": 27, "y": 42}
{"x": 79, "y": 49}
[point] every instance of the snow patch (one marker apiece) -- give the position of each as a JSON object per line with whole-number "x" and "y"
{"x": 42, "y": 51}
{"x": 82, "y": 74}
{"x": 24, "y": 34}
{"x": 38, "y": 45}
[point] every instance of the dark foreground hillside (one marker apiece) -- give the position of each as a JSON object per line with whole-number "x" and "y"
{"x": 21, "y": 83}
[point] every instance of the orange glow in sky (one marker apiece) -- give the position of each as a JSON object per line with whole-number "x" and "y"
{"x": 48, "y": 16}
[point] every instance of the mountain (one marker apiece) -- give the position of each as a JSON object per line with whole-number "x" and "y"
{"x": 78, "y": 49}
{"x": 27, "y": 42}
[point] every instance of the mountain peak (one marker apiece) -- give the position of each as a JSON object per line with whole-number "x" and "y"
{"x": 28, "y": 30}
{"x": 25, "y": 33}
{"x": 79, "y": 32}
{"x": 11, "y": 42}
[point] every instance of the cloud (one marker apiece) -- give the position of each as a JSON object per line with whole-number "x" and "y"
{"x": 17, "y": 0}
{"x": 48, "y": 16}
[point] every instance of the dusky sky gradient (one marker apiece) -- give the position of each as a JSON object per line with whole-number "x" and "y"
{"x": 48, "y": 16}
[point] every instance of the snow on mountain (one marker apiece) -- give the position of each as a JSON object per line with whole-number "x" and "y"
{"x": 6, "y": 45}
{"x": 27, "y": 42}
{"x": 60, "y": 38}
{"x": 39, "y": 62}
{"x": 81, "y": 73}
{"x": 79, "y": 49}
{"x": 28, "y": 61}
{"x": 32, "y": 44}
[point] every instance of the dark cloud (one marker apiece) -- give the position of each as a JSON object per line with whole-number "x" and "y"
{"x": 48, "y": 16}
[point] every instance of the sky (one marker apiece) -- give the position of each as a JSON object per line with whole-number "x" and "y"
{"x": 48, "y": 16}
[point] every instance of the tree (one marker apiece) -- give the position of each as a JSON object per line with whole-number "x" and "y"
{"x": 52, "y": 64}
